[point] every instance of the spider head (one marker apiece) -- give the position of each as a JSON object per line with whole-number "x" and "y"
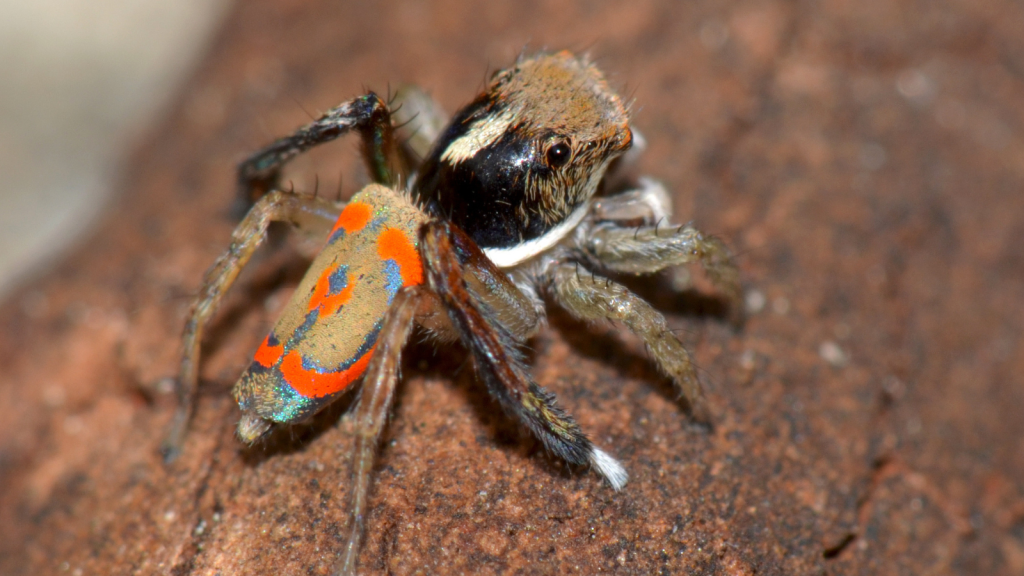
{"x": 519, "y": 164}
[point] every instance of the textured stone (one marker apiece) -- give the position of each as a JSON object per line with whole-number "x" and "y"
{"x": 866, "y": 162}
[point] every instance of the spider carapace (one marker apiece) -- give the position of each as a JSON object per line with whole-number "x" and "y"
{"x": 499, "y": 215}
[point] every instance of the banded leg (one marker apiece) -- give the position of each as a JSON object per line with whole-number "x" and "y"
{"x": 368, "y": 114}
{"x": 589, "y": 297}
{"x": 647, "y": 249}
{"x": 375, "y": 399}
{"x": 498, "y": 361}
{"x": 308, "y": 214}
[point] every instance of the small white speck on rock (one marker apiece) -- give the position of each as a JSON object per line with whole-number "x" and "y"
{"x": 915, "y": 86}
{"x": 780, "y": 305}
{"x": 748, "y": 359}
{"x": 831, "y": 352}
{"x": 755, "y": 301}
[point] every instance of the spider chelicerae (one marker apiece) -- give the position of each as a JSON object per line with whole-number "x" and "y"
{"x": 497, "y": 212}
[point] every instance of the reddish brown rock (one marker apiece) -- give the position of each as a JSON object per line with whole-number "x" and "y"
{"x": 865, "y": 160}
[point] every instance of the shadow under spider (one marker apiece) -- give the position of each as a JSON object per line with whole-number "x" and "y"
{"x": 607, "y": 347}
{"x": 658, "y": 291}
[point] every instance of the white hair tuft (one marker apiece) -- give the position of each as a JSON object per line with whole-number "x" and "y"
{"x": 609, "y": 468}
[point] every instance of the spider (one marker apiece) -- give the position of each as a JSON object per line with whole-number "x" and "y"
{"x": 500, "y": 212}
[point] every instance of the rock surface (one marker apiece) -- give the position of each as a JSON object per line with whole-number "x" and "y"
{"x": 866, "y": 162}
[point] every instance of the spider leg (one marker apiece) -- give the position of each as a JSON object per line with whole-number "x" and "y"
{"x": 368, "y": 114}
{"x": 375, "y": 399}
{"x": 308, "y": 214}
{"x": 419, "y": 120}
{"x": 589, "y": 297}
{"x": 647, "y": 249}
{"x": 647, "y": 204}
{"x": 497, "y": 296}
{"x": 498, "y": 360}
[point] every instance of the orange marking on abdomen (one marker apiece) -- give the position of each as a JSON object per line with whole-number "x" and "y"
{"x": 312, "y": 384}
{"x": 332, "y": 304}
{"x": 394, "y": 244}
{"x": 353, "y": 218}
{"x": 268, "y": 355}
{"x": 323, "y": 285}
{"x": 322, "y": 294}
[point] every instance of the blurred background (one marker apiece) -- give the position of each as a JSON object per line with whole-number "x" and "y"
{"x": 82, "y": 79}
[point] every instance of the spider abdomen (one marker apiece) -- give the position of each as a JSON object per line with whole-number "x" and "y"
{"x": 327, "y": 334}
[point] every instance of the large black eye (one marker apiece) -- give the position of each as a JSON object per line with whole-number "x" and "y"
{"x": 558, "y": 154}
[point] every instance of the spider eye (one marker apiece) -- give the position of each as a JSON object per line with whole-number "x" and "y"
{"x": 558, "y": 154}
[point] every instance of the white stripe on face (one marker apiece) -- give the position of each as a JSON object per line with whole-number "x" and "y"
{"x": 508, "y": 257}
{"x": 481, "y": 134}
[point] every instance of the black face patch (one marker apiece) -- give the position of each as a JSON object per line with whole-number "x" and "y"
{"x": 486, "y": 195}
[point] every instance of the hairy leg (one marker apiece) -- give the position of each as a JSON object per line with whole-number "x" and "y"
{"x": 368, "y": 114}
{"x": 497, "y": 296}
{"x": 589, "y": 297}
{"x": 375, "y": 399}
{"x": 646, "y": 249}
{"x": 498, "y": 361}
{"x": 647, "y": 204}
{"x": 309, "y": 214}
